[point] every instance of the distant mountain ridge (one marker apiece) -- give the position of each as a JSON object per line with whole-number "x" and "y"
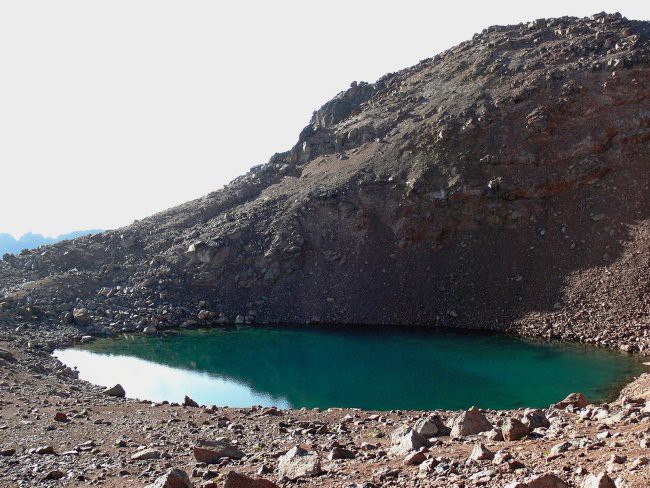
{"x": 9, "y": 244}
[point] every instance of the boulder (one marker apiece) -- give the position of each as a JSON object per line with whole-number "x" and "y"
{"x": 513, "y": 430}
{"x": 340, "y": 453}
{"x": 116, "y": 391}
{"x": 560, "y": 448}
{"x": 431, "y": 426}
{"x": 470, "y": 422}
{"x": 409, "y": 442}
{"x": 6, "y": 355}
{"x": 173, "y": 478}
{"x": 576, "y": 400}
{"x": 299, "y": 463}
{"x": 600, "y": 480}
{"x": 534, "y": 418}
{"x": 415, "y": 458}
{"x": 81, "y": 316}
{"x": 539, "y": 481}
{"x": 233, "y": 479}
{"x": 481, "y": 453}
{"x": 188, "y": 402}
{"x": 494, "y": 435}
{"x": 146, "y": 454}
{"x": 212, "y": 451}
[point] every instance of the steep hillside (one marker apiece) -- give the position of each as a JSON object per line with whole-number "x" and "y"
{"x": 501, "y": 184}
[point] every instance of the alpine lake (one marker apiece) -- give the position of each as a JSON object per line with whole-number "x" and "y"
{"x": 373, "y": 368}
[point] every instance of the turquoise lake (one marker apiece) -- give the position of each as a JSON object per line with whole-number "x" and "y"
{"x": 374, "y": 368}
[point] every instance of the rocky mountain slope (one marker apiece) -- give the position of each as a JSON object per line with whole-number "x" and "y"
{"x": 501, "y": 184}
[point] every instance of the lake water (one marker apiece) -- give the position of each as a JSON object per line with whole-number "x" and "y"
{"x": 378, "y": 368}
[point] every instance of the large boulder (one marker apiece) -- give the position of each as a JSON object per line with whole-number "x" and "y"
{"x": 431, "y": 426}
{"x": 576, "y": 400}
{"x": 407, "y": 443}
{"x": 234, "y": 479}
{"x": 299, "y": 463}
{"x": 146, "y": 454}
{"x": 212, "y": 451}
{"x": 81, "y": 316}
{"x": 600, "y": 480}
{"x": 513, "y": 430}
{"x": 481, "y": 453}
{"x": 534, "y": 418}
{"x": 173, "y": 478}
{"x": 116, "y": 391}
{"x": 539, "y": 481}
{"x": 470, "y": 422}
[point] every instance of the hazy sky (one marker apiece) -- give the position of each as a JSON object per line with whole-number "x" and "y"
{"x": 113, "y": 110}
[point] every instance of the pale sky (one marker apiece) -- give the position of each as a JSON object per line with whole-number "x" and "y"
{"x": 113, "y": 110}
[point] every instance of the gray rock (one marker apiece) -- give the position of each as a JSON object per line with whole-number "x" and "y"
{"x": 431, "y": 426}
{"x": 146, "y": 454}
{"x": 600, "y": 480}
{"x": 481, "y": 453}
{"x": 494, "y": 435}
{"x": 212, "y": 451}
{"x": 409, "y": 442}
{"x": 116, "y": 391}
{"x": 188, "y": 402}
{"x": 81, "y": 316}
{"x": 6, "y": 355}
{"x": 470, "y": 422}
{"x": 534, "y": 418}
{"x": 299, "y": 463}
{"x": 560, "y": 448}
{"x": 539, "y": 481}
{"x": 513, "y": 430}
{"x": 173, "y": 478}
{"x": 340, "y": 453}
{"x": 576, "y": 400}
{"x": 234, "y": 479}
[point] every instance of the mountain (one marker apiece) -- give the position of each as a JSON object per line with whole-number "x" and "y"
{"x": 11, "y": 245}
{"x": 502, "y": 184}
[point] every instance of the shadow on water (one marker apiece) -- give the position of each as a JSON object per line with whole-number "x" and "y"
{"x": 379, "y": 368}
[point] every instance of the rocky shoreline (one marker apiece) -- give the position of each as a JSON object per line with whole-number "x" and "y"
{"x": 67, "y": 432}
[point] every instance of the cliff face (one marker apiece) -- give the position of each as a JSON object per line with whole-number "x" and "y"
{"x": 501, "y": 184}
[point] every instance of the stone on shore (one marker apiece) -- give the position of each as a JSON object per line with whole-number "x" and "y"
{"x": 233, "y": 479}
{"x": 116, "y": 391}
{"x": 470, "y": 422}
{"x": 212, "y": 451}
{"x": 173, "y": 478}
{"x": 299, "y": 463}
{"x": 601, "y": 480}
{"x": 513, "y": 430}
{"x": 481, "y": 453}
{"x": 188, "y": 402}
{"x": 146, "y": 454}
{"x": 539, "y": 481}
{"x": 576, "y": 400}
{"x": 431, "y": 426}
{"x": 406, "y": 444}
{"x": 534, "y": 418}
